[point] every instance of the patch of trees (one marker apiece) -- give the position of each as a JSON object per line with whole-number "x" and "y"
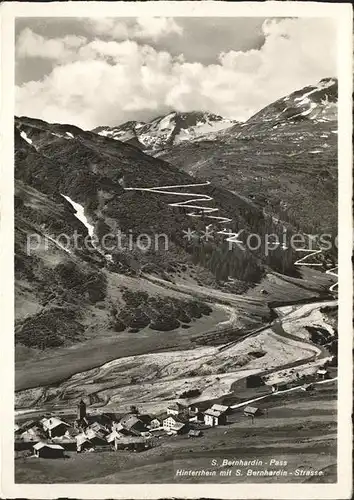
{"x": 254, "y": 381}
{"x": 52, "y": 328}
{"x": 319, "y": 335}
{"x": 224, "y": 261}
{"x": 192, "y": 393}
{"x": 159, "y": 313}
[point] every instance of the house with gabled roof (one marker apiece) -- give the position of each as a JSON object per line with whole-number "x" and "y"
{"x": 171, "y": 421}
{"x": 54, "y": 426}
{"x": 97, "y": 427}
{"x": 133, "y": 424}
{"x": 176, "y": 409}
{"x": 133, "y": 443}
{"x": 48, "y": 450}
{"x": 307, "y": 387}
{"x": 195, "y": 433}
{"x": 179, "y": 428}
{"x": 96, "y": 437}
{"x": 33, "y": 434}
{"x": 83, "y": 442}
{"x": 214, "y": 417}
{"x": 156, "y": 423}
{"x": 220, "y": 408}
{"x": 195, "y": 412}
{"x": 322, "y": 373}
{"x": 27, "y": 425}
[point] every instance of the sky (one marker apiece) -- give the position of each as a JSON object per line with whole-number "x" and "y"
{"x": 105, "y": 71}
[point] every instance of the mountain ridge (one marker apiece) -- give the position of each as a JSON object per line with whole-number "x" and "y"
{"x": 277, "y": 159}
{"x": 164, "y": 130}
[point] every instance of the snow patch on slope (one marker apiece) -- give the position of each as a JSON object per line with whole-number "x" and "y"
{"x": 80, "y": 214}
{"x": 25, "y": 137}
{"x": 202, "y": 129}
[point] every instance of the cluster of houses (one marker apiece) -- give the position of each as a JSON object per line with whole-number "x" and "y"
{"x": 51, "y": 435}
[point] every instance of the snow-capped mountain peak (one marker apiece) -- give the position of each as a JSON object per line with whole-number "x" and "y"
{"x": 314, "y": 102}
{"x": 127, "y": 132}
{"x": 167, "y": 130}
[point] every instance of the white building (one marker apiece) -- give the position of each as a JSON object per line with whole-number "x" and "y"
{"x": 216, "y": 415}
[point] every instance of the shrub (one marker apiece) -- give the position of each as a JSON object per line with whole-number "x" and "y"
{"x": 164, "y": 324}
{"x": 183, "y": 317}
{"x": 118, "y": 326}
{"x": 192, "y": 393}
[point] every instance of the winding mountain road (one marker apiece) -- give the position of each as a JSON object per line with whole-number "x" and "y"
{"x": 201, "y": 198}
{"x": 196, "y": 209}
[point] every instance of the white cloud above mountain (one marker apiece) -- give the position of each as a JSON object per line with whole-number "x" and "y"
{"x": 30, "y": 44}
{"x": 110, "y": 79}
{"x": 140, "y": 28}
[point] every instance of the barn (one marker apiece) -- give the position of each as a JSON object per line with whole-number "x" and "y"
{"x": 252, "y": 411}
{"x": 132, "y": 443}
{"x": 216, "y": 415}
{"x": 47, "y": 450}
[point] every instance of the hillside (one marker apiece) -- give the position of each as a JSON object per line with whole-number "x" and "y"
{"x": 283, "y": 159}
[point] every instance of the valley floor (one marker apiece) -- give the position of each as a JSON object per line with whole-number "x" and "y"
{"x": 61, "y": 363}
{"x": 232, "y": 315}
{"x": 153, "y": 380}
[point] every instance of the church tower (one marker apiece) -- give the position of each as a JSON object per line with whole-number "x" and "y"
{"x": 81, "y": 410}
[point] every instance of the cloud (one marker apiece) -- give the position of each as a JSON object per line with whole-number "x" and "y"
{"x": 108, "y": 81}
{"x": 157, "y": 27}
{"x": 152, "y": 28}
{"x": 30, "y": 44}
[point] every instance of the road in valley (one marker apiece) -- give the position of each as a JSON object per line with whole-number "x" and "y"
{"x": 279, "y": 393}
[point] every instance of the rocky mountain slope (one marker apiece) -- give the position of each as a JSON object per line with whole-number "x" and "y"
{"x": 283, "y": 159}
{"x": 167, "y": 130}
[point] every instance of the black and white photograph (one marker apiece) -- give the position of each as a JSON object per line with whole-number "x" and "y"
{"x": 176, "y": 248}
